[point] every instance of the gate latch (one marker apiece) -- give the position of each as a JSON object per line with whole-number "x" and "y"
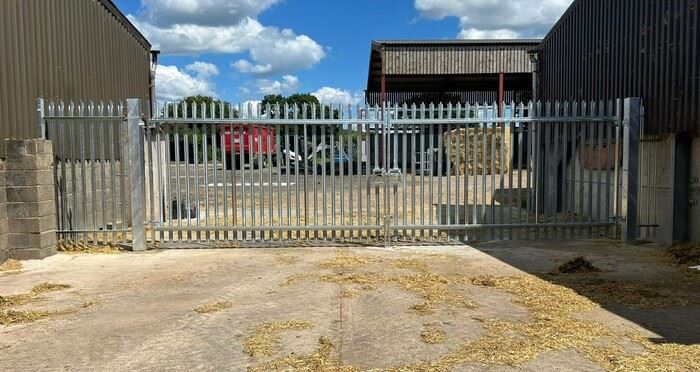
{"x": 381, "y": 177}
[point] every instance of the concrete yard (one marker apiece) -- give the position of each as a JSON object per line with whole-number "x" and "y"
{"x": 493, "y": 306}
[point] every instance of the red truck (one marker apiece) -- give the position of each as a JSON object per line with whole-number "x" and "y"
{"x": 238, "y": 138}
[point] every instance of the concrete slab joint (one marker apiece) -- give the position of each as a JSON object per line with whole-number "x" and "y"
{"x": 30, "y": 200}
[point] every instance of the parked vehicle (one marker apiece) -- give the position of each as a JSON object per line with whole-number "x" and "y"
{"x": 325, "y": 159}
{"x": 331, "y": 162}
{"x": 257, "y": 145}
{"x": 291, "y": 161}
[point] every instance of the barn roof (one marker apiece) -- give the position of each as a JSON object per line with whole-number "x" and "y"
{"x": 445, "y": 58}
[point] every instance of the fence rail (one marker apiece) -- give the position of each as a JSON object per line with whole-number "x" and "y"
{"x": 392, "y": 173}
{"x": 231, "y": 174}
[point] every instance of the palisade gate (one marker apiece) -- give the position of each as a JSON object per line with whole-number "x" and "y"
{"x": 197, "y": 174}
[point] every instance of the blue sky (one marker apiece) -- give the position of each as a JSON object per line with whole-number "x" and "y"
{"x": 240, "y": 50}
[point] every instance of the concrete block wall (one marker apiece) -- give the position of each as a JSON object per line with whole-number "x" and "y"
{"x": 4, "y": 248}
{"x": 31, "y": 215}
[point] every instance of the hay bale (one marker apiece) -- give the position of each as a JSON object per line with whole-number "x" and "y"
{"x": 501, "y": 151}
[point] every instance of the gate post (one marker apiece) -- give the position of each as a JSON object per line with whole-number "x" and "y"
{"x": 631, "y": 130}
{"x": 136, "y": 173}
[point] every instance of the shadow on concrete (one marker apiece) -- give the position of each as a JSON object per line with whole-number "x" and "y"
{"x": 634, "y": 283}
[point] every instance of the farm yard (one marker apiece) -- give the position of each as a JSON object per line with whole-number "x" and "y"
{"x": 237, "y": 185}
{"x": 494, "y": 306}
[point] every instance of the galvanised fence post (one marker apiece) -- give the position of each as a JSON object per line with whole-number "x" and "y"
{"x": 136, "y": 173}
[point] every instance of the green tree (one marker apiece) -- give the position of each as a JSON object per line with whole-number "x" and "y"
{"x": 198, "y": 107}
{"x": 301, "y": 100}
{"x": 203, "y": 106}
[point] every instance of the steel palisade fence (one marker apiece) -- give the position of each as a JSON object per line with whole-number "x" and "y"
{"x": 337, "y": 173}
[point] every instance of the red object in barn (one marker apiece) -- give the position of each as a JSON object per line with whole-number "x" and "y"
{"x": 240, "y": 138}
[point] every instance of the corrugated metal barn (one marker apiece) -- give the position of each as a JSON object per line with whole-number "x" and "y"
{"x": 67, "y": 49}
{"x": 466, "y": 71}
{"x": 602, "y": 50}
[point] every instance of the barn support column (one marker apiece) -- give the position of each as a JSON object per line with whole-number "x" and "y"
{"x": 630, "y": 168}
{"x": 501, "y": 84}
{"x": 680, "y": 188}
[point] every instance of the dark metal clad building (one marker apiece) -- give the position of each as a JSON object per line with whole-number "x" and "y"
{"x": 466, "y": 71}
{"x": 67, "y": 49}
{"x": 621, "y": 48}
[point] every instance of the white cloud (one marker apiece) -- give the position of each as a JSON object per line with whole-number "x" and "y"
{"x": 245, "y": 66}
{"x": 281, "y": 51}
{"x": 202, "y": 12}
{"x": 195, "y": 27}
{"x": 337, "y": 96}
{"x": 203, "y": 69}
{"x": 473, "y": 33}
{"x": 249, "y": 109}
{"x": 173, "y": 84}
{"x": 499, "y": 19}
{"x": 288, "y": 84}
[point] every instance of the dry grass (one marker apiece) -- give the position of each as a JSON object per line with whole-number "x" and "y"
{"x": 344, "y": 261}
{"x": 213, "y": 307}
{"x": 435, "y": 290}
{"x": 432, "y": 334}
{"x": 286, "y": 260}
{"x": 87, "y": 248}
{"x": 555, "y": 324}
{"x": 685, "y": 254}
{"x": 578, "y": 265}
{"x": 11, "y": 317}
{"x": 656, "y": 357}
{"x": 349, "y": 293}
{"x": 323, "y": 359}
{"x": 632, "y": 295}
{"x": 10, "y": 265}
{"x": 513, "y": 343}
{"x": 555, "y": 328}
{"x": 33, "y": 295}
{"x": 264, "y": 338}
{"x": 410, "y": 264}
